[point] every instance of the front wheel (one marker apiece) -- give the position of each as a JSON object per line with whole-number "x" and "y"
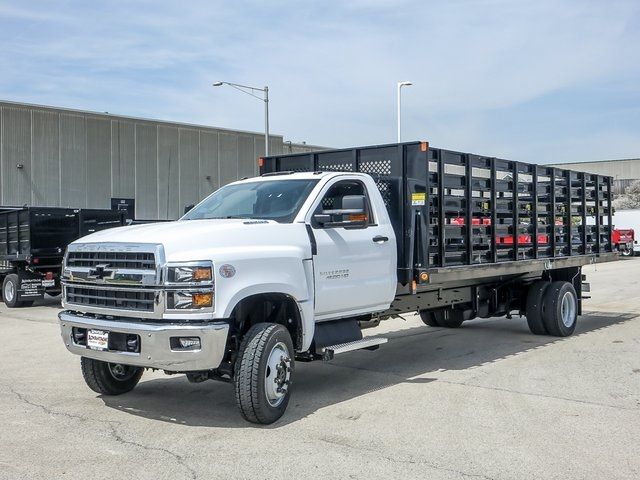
{"x": 109, "y": 378}
{"x": 263, "y": 371}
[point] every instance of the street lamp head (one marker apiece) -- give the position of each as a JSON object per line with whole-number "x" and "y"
{"x": 218, "y": 84}
{"x": 404, "y": 84}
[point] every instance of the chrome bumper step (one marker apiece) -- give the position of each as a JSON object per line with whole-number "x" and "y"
{"x": 370, "y": 343}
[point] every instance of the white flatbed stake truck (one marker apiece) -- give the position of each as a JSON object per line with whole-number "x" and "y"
{"x": 292, "y": 265}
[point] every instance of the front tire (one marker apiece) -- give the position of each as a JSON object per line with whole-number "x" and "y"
{"x": 109, "y": 378}
{"x": 263, "y": 371}
{"x": 560, "y": 309}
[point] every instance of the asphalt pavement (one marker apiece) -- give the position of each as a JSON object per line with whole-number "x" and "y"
{"x": 487, "y": 401}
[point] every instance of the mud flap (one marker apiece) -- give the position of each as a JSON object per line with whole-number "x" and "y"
{"x": 29, "y": 286}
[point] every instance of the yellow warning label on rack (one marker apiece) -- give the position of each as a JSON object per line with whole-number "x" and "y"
{"x": 418, "y": 199}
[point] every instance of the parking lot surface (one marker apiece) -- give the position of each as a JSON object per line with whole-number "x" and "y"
{"x": 488, "y": 401}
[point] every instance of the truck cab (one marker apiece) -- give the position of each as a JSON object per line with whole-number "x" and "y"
{"x": 291, "y": 248}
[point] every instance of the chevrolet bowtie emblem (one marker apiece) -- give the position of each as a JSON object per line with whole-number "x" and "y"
{"x": 100, "y": 272}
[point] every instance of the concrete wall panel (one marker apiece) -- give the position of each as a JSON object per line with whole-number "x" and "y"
{"x": 98, "y": 163}
{"x": 73, "y": 161}
{"x": 16, "y": 150}
{"x": 228, "y": 152}
{"x": 246, "y": 156}
{"x": 45, "y": 168}
{"x": 189, "y": 167}
{"x": 82, "y": 159}
{"x": 123, "y": 159}
{"x": 627, "y": 169}
{"x": 168, "y": 173}
{"x": 146, "y": 171}
{"x": 209, "y": 169}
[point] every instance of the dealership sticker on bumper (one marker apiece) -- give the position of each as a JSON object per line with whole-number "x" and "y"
{"x": 98, "y": 340}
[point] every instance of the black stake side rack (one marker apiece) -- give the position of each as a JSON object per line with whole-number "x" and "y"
{"x": 454, "y": 209}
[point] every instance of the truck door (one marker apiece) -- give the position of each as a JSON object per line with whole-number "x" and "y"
{"x": 355, "y": 267}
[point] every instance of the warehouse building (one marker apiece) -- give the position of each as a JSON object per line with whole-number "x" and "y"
{"x": 624, "y": 172}
{"x": 61, "y": 157}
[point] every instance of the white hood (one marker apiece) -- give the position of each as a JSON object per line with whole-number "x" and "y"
{"x": 204, "y": 239}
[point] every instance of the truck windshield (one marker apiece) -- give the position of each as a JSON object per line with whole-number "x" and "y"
{"x": 277, "y": 200}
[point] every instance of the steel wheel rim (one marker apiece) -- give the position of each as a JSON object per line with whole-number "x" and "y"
{"x": 9, "y": 292}
{"x": 568, "y": 309}
{"x": 121, "y": 372}
{"x": 277, "y": 374}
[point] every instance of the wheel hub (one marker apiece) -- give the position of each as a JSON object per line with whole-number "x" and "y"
{"x": 278, "y": 374}
{"x": 121, "y": 372}
{"x": 9, "y": 292}
{"x": 568, "y": 309}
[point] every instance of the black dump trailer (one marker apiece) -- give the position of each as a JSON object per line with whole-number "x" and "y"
{"x": 479, "y": 236}
{"x": 32, "y": 244}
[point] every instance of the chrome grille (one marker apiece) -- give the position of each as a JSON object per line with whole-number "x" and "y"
{"x": 129, "y": 260}
{"x": 125, "y": 299}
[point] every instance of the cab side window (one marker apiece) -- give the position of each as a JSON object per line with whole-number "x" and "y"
{"x": 332, "y": 200}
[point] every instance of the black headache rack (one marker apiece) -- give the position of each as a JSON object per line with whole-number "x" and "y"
{"x": 43, "y": 233}
{"x": 460, "y": 216}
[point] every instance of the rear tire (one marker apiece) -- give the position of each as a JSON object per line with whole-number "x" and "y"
{"x": 263, "y": 371}
{"x": 535, "y": 307}
{"x": 560, "y": 314}
{"x": 109, "y": 378}
{"x": 10, "y": 291}
{"x": 443, "y": 317}
{"x": 429, "y": 318}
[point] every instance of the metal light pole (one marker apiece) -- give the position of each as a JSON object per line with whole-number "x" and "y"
{"x": 400, "y": 85}
{"x": 249, "y": 91}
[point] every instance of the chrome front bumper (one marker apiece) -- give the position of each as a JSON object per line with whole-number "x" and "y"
{"x": 155, "y": 349}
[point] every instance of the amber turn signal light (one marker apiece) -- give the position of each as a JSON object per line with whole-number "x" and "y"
{"x": 358, "y": 217}
{"x": 203, "y": 299}
{"x": 202, "y": 274}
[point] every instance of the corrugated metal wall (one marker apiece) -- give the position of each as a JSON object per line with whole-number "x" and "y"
{"x": 58, "y": 157}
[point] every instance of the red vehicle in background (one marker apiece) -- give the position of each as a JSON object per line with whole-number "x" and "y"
{"x": 623, "y": 239}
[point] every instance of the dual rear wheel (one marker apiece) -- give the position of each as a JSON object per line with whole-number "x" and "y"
{"x": 11, "y": 292}
{"x": 442, "y": 317}
{"x": 552, "y": 308}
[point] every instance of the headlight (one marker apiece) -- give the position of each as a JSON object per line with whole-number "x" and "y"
{"x": 190, "y": 274}
{"x": 189, "y": 300}
{"x": 189, "y": 286}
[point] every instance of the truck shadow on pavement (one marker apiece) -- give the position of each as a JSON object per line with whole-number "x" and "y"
{"x": 412, "y": 355}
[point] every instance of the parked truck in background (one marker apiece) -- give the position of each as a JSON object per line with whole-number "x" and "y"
{"x": 32, "y": 244}
{"x": 292, "y": 265}
{"x": 626, "y": 232}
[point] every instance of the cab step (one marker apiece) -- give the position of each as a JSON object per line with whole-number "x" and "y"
{"x": 370, "y": 343}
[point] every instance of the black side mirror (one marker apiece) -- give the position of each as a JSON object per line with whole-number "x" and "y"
{"x": 188, "y": 207}
{"x": 353, "y": 208}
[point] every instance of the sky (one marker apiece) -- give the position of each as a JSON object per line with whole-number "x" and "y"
{"x": 543, "y": 81}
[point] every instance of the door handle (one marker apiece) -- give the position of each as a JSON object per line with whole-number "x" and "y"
{"x": 380, "y": 239}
